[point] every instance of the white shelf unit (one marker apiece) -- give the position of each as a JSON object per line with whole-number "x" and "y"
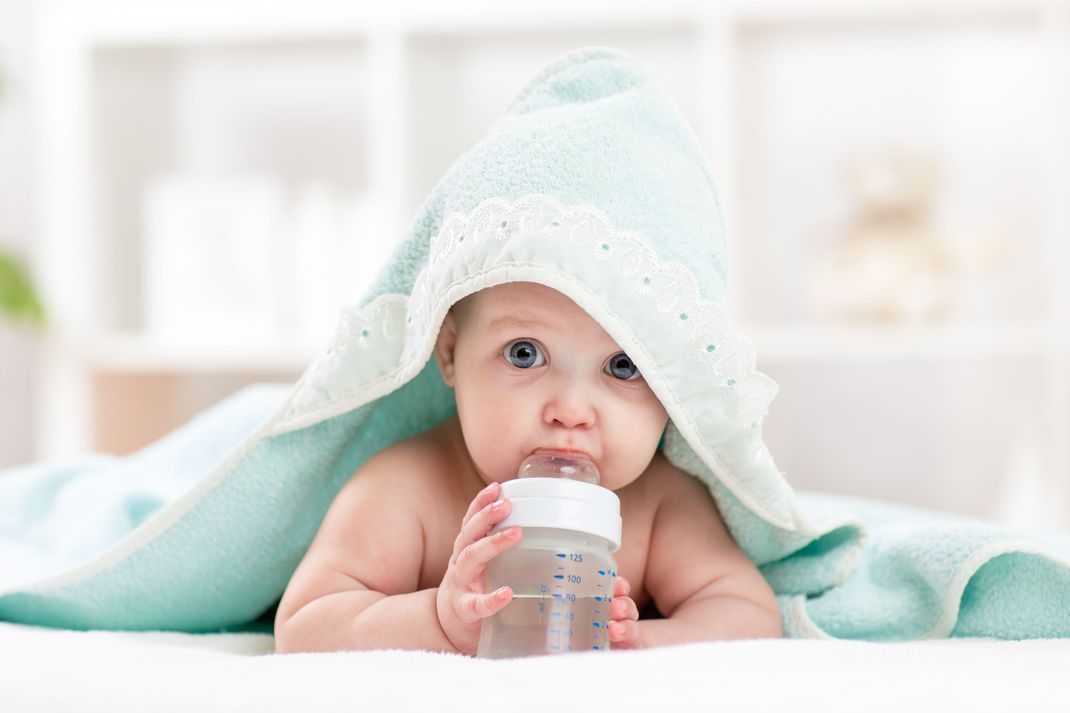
{"x": 429, "y": 79}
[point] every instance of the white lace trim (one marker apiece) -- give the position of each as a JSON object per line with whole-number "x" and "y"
{"x": 365, "y": 345}
{"x": 383, "y": 344}
{"x": 729, "y": 358}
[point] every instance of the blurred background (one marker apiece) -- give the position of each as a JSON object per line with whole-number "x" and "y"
{"x": 190, "y": 190}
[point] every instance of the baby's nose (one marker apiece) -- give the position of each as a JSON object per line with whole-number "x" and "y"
{"x": 570, "y": 406}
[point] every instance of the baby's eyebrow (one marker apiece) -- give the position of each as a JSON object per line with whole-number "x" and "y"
{"x": 510, "y": 320}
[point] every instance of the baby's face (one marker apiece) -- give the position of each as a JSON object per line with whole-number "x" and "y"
{"x": 531, "y": 370}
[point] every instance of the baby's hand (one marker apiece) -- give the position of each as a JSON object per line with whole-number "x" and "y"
{"x": 624, "y": 627}
{"x": 460, "y": 602}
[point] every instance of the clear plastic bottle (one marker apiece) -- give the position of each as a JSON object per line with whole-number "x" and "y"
{"x": 562, "y": 571}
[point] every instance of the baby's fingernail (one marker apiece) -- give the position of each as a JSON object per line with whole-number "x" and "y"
{"x": 488, "y": 489}
{"x": 501, "y": 593}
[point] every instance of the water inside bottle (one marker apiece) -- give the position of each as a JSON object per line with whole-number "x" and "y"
{"x": 534, "y": 624}
{"x": 562, "y": 590}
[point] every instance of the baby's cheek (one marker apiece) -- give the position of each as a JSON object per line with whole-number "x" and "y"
{"x": 491, "y": 438}
{"x": 632, "y": 444}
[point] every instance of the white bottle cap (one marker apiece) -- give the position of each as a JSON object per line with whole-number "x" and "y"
{"x": 563, "y": 503}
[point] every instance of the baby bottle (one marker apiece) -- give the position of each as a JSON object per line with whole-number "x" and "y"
{"x": 562, "y": 571}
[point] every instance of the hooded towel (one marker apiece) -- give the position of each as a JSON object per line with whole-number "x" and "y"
{"x": 590, "y": 183}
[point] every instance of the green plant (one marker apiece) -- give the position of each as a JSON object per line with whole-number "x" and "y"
{"x": 18, "y": 299}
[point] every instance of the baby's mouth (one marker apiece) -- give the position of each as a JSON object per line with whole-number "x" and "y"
{"x": 563, "y": 452}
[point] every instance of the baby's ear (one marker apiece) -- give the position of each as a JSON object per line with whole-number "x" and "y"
{"x": 446, "y": 346}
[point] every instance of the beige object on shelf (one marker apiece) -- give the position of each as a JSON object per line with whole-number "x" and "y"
{"x": 891, "y": 265}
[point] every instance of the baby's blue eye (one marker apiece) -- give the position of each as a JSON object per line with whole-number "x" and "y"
{"x": 523, "y": 354}
{"x": 622, "y": 367}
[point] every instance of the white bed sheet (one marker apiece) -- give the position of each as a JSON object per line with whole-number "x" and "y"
{"x": 54, "y": 670}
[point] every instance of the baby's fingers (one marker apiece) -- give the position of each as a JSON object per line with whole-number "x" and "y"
{"x": 478, "y": 525}
{"x": 469, "y": 566}
{"x": 474, "y": 607}
{"x": 625, "y": 634}
{"x": 623, "y": 608}
{"x": 625, "y": 629}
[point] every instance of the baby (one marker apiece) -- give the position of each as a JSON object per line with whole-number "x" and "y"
{"x": 399, "y": 559}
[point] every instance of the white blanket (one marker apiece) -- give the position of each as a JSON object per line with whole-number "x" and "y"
{"x": 58, "y": 670}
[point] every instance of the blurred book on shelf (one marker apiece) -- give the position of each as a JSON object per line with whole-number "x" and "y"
{"x": 238, "y": 260}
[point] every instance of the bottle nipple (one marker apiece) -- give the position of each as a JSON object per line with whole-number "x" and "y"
{"x": 559, "y": 466}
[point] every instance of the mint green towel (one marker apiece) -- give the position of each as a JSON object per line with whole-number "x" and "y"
{"x": 590, "y": 183}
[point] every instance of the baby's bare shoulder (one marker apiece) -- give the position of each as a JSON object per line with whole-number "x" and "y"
{"x": 670, "y": 476}
{"x": 683, "y": 502}
{"x": 416, "y": 474}
{"x": 375, "y": 529}
{"x": 419, "y": 462}
{"x": 660, "y": 484}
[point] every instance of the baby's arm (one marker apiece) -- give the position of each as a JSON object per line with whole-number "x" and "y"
{"x": 701, "y": 581}
{"x": 356, "y": 587}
